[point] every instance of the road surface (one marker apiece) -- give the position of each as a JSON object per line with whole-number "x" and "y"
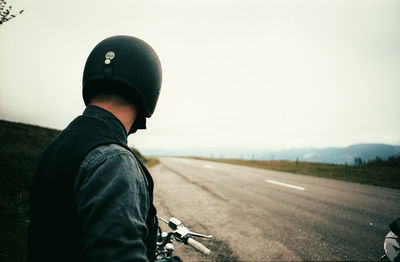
{"x": 263, "y": 215}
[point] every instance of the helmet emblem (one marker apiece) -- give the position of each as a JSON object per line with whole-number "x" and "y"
{"x": 109, "y": 56}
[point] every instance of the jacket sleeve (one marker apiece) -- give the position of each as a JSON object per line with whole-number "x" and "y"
{"x": 112, "y": 205}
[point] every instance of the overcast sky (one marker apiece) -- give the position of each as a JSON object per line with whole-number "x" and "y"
{"x": 263, "y": 74}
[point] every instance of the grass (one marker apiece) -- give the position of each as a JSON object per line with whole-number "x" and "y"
{"x": 151, "y": 161}
{"x": 147, "y": 161}
{"x": 20, "y": 147}
{"x": 386, "y": 176}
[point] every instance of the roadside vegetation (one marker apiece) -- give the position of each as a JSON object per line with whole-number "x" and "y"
{"x": 147, "y": 161}
{"x": 375, "y": 172}
{"x": 20, "y": 147}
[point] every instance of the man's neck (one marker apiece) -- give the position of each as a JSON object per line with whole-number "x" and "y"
{"x": 125, "y": 113}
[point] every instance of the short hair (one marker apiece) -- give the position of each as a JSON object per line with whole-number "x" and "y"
{"x": 103, "y": 90}
{"x": 115, "y": 98}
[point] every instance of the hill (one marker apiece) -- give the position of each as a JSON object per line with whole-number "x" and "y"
{"x": 336, "y": 155}
{"x": 333, "y": 155}
{"x": 20, "y": 147}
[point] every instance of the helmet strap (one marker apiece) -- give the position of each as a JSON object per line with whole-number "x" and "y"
{"x": 140, "y": 123}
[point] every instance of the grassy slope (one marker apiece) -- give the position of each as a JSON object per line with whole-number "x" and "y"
{"x": 373, "y": 175}
{"x": 20, "y": 147}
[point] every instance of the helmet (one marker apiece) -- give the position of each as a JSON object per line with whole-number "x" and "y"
{"x": 127, "y": 66}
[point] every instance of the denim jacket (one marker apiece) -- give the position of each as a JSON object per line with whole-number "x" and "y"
{"x": 112, "y": 202}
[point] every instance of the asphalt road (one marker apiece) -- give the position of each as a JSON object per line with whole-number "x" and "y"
{"x": 262, "y": 215}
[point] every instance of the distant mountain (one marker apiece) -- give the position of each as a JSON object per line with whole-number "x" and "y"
{"x": 335, "y": 155}
{"x": 338, "y": 155}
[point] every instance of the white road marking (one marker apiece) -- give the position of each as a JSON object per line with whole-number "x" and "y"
{"x": 284, "y": 184}
{"x": 180, "y": 160}
{"x": 209, "y": 166}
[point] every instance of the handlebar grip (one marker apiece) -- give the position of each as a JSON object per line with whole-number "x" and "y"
{"x": 199, "y": 246}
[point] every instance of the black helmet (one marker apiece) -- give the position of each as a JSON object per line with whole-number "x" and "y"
{"x": 128, "y": 66}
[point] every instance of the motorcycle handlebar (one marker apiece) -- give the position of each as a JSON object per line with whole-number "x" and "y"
{"x": 199, "y": 246}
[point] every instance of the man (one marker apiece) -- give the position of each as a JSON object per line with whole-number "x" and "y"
{"x": 91, "y": 198}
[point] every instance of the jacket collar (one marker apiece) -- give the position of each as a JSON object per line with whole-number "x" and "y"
{"x": 111, "y": 120}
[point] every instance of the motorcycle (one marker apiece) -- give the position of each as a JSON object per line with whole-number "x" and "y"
{"x": 391, "y": 244}
{"x": 181, "y": 234}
